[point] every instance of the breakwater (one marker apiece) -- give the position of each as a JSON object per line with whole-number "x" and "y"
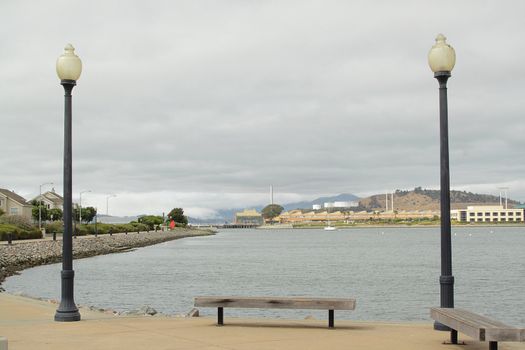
{"x": 22, "y": 255}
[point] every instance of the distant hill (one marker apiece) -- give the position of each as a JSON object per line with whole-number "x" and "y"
{"x": 423, "y": 199}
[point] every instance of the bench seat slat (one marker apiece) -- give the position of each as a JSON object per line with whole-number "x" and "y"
{"x": 476, "y": 326}
{"x": 276, "y": 302}
{"x": 473, "y": 318}
{"x": 455, "y": 322}
{"x": 504, "y": 334}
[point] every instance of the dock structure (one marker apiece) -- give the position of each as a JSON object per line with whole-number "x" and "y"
{"x": 238, "y": 226}
{"x": 219, "y": 226}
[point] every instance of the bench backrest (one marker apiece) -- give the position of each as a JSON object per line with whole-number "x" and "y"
{"x": 276, "y": 302}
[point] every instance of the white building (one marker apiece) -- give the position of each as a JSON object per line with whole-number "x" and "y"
{"x": 341, "y": 204}
{"x": 345, "y": 204}
{"x": 495, "y": 213}
{"x": 316, "y": 207}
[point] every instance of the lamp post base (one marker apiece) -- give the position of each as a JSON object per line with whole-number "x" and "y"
{"x": 67, "y": 310}
{"x": 67, "y": 316}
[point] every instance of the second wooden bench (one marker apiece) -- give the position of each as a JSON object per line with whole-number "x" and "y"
{"x": 476, "y": 326}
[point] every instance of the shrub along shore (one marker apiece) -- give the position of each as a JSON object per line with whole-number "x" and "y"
{"x": 16, "y": 257}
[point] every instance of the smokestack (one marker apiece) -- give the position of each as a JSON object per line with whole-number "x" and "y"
{"x": 271, "y": 194}
{"x": 386, "y": 202}
{"x": 392, "y": 201}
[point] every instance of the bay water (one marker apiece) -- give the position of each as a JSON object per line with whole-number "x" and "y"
{"x": 393, "y": 273}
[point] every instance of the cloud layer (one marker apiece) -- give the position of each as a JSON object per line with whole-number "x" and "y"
{"x": 203, "y": 104}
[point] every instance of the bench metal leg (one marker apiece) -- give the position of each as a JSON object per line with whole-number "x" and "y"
{"x": 493, "y": 345}
{"x": 453, "y": 336}
{"x": 330, "y": 318}
{"x": 220, "y": 316}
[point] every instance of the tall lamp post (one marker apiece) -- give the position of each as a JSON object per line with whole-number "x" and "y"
{"x": 80, "y": 209}
{"x": 441, "y": 59}
{"x": 68, "y": 68}
{"x": 40, "y": 206}
{"x": 107, "y": 203}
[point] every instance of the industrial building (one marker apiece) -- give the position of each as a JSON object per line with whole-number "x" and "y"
{"x": 495, "y": 213}
{"x": 249, "y": 217}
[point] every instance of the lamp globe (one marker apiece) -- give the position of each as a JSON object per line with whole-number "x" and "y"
{"x": 442, "y": 56}
{"x": 69, "y": 66}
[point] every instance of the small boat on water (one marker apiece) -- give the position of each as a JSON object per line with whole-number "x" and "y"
{"x": 330, "y": 228}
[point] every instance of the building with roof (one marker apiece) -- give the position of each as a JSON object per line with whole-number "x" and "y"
{"x": 249, "y": 217}
{"x": 319, "y": 216}
{"x": 14, "y": 204}
{"x": 493, "y": 213}
{"x": 50, "y": 200}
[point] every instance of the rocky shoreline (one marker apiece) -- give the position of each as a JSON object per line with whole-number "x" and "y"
{"x": 23, "y": 255}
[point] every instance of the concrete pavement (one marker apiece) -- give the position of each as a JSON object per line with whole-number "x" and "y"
{"x": 28, "y": 324}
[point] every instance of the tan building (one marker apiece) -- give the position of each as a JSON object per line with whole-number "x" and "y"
{"x": 494, "y": 213}
{"x": 249, "y": 217}
{"x": 297, "y": 216}
{"x": 13, "y": 204}
{"x": 51, "y": 200}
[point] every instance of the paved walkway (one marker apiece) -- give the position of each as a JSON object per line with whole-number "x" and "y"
{"x": 28, "y": 324}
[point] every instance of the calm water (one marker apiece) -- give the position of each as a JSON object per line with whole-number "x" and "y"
{"x": 392, "y": 272}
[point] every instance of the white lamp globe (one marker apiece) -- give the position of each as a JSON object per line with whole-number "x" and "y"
{"x": 442, "y": 56}
{"x": 69, "y": 66}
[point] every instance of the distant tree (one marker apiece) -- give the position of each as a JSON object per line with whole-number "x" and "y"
{"x": 88, "y": 214}
{"x": 55, "y": 214}
{"x": 177, "y": 215}
{"x": 42, "y": 210}
{"x": 151, "y": 220}
{"x": 271, "y": 210}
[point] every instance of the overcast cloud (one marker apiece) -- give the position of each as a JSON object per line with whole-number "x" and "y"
{"x": 204, "y": 104}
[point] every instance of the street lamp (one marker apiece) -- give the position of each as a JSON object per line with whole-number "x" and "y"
{"x": 40, "y": 206}
{"x": 80, "y": 211}
{"x": 441, "y": 59}
{"x": 68, "y": 68}
{"x": 107, "y": 202}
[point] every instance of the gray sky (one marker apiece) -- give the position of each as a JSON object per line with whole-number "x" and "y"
{"x": 203, "y": 104}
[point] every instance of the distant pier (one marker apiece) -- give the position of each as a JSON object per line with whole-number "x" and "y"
{"x": 219, "y": 226}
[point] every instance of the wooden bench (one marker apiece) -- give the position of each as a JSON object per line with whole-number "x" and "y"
{"x": 330, "y": 304}
{"x": 476, "y": 326}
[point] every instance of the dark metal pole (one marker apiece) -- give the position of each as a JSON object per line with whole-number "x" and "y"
{"x": 220, "y": 316}
{"x": 67, "y": 310}
{"x": 446, "y": 279}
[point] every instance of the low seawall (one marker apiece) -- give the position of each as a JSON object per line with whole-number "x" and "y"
{"x": 22, "y": 255}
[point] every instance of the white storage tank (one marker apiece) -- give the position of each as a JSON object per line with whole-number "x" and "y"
{"x": 316, "y": 206}
{"x": 329, "y": 205}
{"x": 345, "y": 204}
